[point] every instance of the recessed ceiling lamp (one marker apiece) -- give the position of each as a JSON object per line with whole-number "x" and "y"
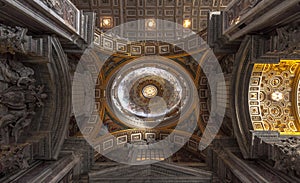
{"x": 187, "y": 23}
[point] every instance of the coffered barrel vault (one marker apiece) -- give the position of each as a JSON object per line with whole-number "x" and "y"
{"x": 122, "y": 11}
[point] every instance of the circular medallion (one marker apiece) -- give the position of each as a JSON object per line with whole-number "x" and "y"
{"x": 149, "y": 91}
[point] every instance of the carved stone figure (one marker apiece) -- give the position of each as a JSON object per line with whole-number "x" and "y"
{"x": 63, "y": 9}
{"x": 56, "y": 5}
{"x": 227, "y": 64}
{"x": 8, "y": 75}
{"x": 191, "y": 64}
{"x": 16, "y": 73}
{"x": 22, "y": 124}
{"x": 21, "y": 104}
{"x": 11, "y": 122}
{"x": 12, "y": 39}
{"x": 20, "y": 99}
{"x": 19, "y": 68}
{"x": 13, "y": 99}
{"x": 288, "y": 156}
{"x": 13, "y": 157}
{"x": 70, "y": 16}
{"x": 288, "y": 38}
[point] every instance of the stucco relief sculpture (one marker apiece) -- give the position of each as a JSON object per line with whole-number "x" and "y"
{"x": 12, "y": 39}
{"x": 19, "y": 100}
{"x": 54, "y": 4}
{"x": 64, "y": 9}
{"x": 288, "y": 38}
{"x": 13, "y": 157}
{"x": 288, "y": 156}
{"x": 227, "y": 64}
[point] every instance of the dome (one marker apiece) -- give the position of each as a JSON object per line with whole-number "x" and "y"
{"x": 149, "y": 91}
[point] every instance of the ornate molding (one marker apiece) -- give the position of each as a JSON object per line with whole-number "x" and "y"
{"x": 230, "y": 167}
{"x": 58, "y": 17}
{"x": 284, "y": 42}
{"x": 215, "y": 37}
{"x": 253, "y": 16}
{"x": 66, "y": 10}
{"x": 109, "y": 43}
{"x": 158, "y": 172}
{"x": 14, "y": 40}
{"x": 239, "y": 102}
{"x": 288, "y": 39}
{"x": 61, "y": 103}
{"x": 125, "y": 11}
{"x": 237, "y": 9}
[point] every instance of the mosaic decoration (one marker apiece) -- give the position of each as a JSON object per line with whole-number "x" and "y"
{"x": 274, "y": 97}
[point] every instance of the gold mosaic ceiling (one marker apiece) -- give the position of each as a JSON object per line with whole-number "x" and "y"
{"x": 274, "y": 95}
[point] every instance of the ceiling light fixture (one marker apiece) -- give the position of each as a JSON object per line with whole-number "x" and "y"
{"x": 187, "y": 23}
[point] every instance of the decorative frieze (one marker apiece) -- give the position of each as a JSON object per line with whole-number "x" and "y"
{"x": 66, "y": 10}
{"x": 288, "y": 39}
{"x": 283, "y": 42}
